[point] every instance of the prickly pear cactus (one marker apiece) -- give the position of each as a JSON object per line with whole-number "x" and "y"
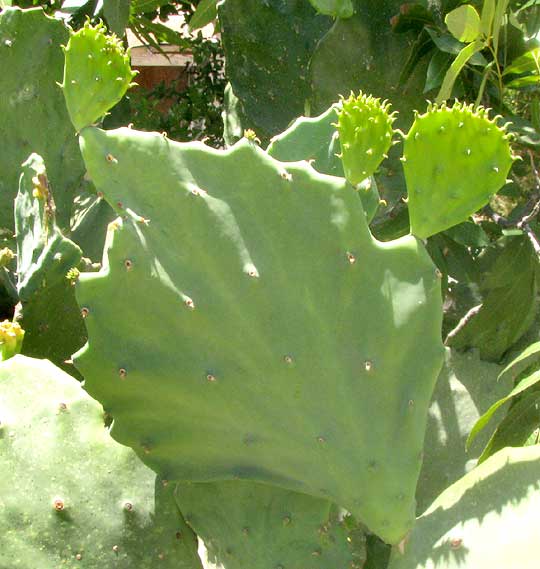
{"x": 271, "y": 84}
{"x": 455, "y": 158}
{"x": 365, "y": 134}
{"x": 55, "y": 510}
{"x": 489, "y": 518}
{"x": 48, "y": 310}
{"x": 315, "y": 139}
{"x": 89, "y": 221}
{"x": 363, "y": 52}
{"x": 272, "y": 303}
{"x": 11, "y": 338}
{"x": 33, "y": 110}
{"x": 97, "y": 74}
{"x": 245, "y": 524}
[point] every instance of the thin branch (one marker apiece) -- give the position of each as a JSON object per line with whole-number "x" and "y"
{"x": 462, "y": 323}
{"x": 535, "y": 171}
{"x": 532, "y": 238}
{"x": 533, "y": 209}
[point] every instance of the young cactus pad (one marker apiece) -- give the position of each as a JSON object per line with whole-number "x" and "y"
{"x": 70, "y": 495}
{"x": 97, "y": 74}
{"x": 486, "y": 520}
{"x": 246, "y": 524}
{"x": 455, "y": 159}
{"x": 247, "y": 325}
{"x": 365, "y": 133}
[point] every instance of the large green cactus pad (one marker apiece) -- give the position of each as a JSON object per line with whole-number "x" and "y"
{"x": 70, "y": 496}
{"x": 488, "y": 519}
{"x": 246, "y": 524}
{"x": 455, "y": 159}
{"x": 247, "y": 325}
{"x": 96, "y": 74}
{"x": 33, "y": 110}
{"x": 315, "y": 139}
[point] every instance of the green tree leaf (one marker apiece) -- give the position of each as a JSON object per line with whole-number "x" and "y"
{"x": 528, "y": 357}
{"x": 509, "y": 303}
{"x": 335, "y": 8}
{"x": 523, "y": 385}
{"x": 514, "y": 430}
{"x": 526, "y": 63}
{"x": 117, "y": 15}
{"x": 205, "y": 13}
{"x": 464, "y": 23}
{"x": 455, "y": 69}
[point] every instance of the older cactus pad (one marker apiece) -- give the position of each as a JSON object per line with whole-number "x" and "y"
{"x": 70, "y": 496}
{"x": 365, "y": 133}
{"x": 488, "y": 519}
{"x": 42, "y": 251}
{"x": 271, "y": 82}
{"x": 315, "y": 139}
{"x": 32, "y": 109}
{"x": 247, "y": 325}
{"x": 455, "y": 159}
{"x": 48, "y": 310}
{"x": 96, "y": 74}
{"x": 246, "y": 524}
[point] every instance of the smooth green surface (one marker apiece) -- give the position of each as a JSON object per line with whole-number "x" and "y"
{"x": 33, "y": 111}
{"x": 264, "y": 334}
{"x": 268, "y": 46}
{"x": 315, "y": 139}
{"x": 464, "y": 23}
{"x": 488, "y": 519}
{"x": 245, "y": 524}
{"x": 363, "y": 53}
{"x": 97, "y": 74}
{"x": 455, "y": 159}
{"x": 466, "y": 388}
{"x": 48, "y": 311}
{"x": 91, "y": 216}
{"x": 70, "y": 496}
{"x": 116, "y": 13}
